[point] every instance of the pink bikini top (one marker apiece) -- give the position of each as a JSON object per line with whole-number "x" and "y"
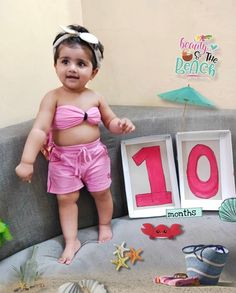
{"x": 67, "y": 116}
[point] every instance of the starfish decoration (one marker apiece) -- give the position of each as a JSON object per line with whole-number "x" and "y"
{"x": 121, "y": 249}
{"x": 120, "y": 262}
{"x": 134, "y": 255}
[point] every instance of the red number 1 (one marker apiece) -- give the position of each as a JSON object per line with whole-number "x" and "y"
{"x": 159, "y": 195}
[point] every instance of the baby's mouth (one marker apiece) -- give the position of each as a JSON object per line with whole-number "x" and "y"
{"x": 72, "y": 77}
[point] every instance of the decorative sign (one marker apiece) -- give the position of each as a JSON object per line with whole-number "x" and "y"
{"x": 205, "y": 163}
{"x": 184, "y": 213}
{"x": 149, "y": 174}
{"x": 151, "y": 155}
{"x": 206, "y": 173}
{"x": 198, "y": 57}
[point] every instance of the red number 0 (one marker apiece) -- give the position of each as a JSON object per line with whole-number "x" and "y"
{"x": 159, "y": 195}
{"x": 202, "y": 189}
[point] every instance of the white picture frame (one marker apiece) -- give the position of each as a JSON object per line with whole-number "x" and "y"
{"x": 141, "y": 181}
{"x": 205, "y": 167}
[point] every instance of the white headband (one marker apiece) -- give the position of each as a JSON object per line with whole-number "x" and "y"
{"x": 87, "y": 37}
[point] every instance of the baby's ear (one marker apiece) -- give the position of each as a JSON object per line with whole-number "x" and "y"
{"x": 94, "y": 73}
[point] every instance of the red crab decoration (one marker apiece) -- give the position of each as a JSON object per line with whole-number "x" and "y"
{"x": 162, "y": 231}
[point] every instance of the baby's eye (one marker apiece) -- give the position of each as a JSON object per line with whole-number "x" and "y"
{"x": 81, "y": 64}
{"x": 65, "y": 61}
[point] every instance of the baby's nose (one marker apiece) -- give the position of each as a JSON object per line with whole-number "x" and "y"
{"x": 73, "y": 67}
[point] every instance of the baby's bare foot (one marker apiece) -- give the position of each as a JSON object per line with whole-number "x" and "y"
{"x": 105, "y": 233}
{"x": 69, "y": 252}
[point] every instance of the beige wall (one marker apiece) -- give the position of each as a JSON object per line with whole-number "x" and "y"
{"x": 26, "y": 73}
{"x": 141, "y": 39}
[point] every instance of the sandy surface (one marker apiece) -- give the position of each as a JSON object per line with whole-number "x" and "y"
{"x": 52, "y": 285}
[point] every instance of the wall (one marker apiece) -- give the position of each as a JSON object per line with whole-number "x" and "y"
{"x": 141, "y": 39}
{"x": 27, "y": 31}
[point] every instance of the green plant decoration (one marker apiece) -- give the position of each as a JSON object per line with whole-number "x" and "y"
{"x": 5, "y": 234}
{"x": 28, "y": 272}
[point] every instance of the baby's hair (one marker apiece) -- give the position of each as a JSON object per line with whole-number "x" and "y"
{"x": 76, "y": 40}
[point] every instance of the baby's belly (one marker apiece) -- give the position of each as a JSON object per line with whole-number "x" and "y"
{"x": 80, "y": 134}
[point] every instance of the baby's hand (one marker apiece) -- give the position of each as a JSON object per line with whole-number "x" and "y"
{"x": 25, "y": 171}
{"x": 126, "y": 125}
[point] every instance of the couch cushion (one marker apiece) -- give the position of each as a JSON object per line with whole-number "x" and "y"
{"x": 32, "y": 214}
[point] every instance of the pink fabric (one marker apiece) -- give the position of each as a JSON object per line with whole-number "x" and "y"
{"x": 71, "y": 167}
{"x": 179, "y": 282}
{"x": 67, "y": 116}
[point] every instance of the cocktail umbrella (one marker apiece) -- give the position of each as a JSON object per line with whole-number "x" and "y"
{"x": 187, "y": 95}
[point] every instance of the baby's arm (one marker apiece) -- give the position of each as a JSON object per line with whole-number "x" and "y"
{"x": 36, "y": 138}
{"x": 112, "y": 122}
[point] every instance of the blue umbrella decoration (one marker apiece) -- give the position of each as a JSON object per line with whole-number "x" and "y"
{"x": 187, "y": 95}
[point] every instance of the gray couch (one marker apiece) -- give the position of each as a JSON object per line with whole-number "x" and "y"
{"x": 32, "y": 214}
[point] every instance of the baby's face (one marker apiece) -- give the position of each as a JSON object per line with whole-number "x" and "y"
{"x": 74, "y": 67}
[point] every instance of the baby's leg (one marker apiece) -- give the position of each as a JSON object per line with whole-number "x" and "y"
{"x": 68, "y": 212}
{"x": 104, "y": 204}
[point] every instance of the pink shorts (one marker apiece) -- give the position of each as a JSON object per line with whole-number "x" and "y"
{"x": 72, "y": 167}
